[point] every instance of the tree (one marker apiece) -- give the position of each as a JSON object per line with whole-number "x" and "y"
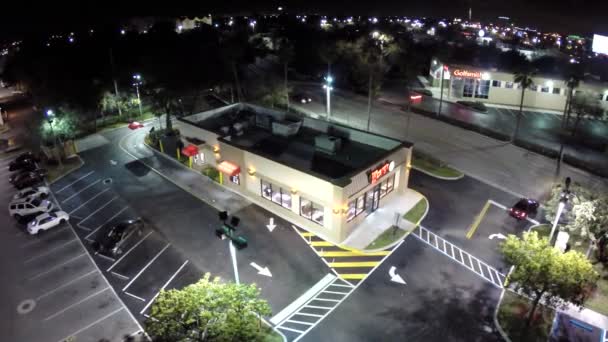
{"x": 585, "y": 105}
{"x": 111, "y": 103}
{"x": 542, "y": 272}
{"x": 523, "y": 77}
{"x": 286, "y": 54}
{"x": 208, "y": 311}
{"x": 328, "y": 53}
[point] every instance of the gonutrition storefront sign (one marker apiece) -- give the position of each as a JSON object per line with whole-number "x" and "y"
{"x": 377, "y": 173}
{"x": 466, "y": 73}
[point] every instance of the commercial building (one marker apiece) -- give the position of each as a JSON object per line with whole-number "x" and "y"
{"x": 463, "y": 82}
{"x": 321, "y": 176}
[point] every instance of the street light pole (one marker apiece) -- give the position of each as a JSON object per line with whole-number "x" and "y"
{"x": 560, "y": 208}
{"x": 328, "y": 88}
{"x": 441, "y": 90}
{"x": 49, "y": 117}
{"x": 137, "y": 78}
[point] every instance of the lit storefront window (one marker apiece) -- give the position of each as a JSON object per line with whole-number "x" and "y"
{"x": 276, "y": 194}
{"x": 363, "y": 202}
{"x": 469, "y": 86}
{"x": 483, "y": 89}
{"x": 311, "y": 211}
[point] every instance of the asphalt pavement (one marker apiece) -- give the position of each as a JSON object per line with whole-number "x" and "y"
{"x": 440, "y": 301}
{"x": 52, "y": 289}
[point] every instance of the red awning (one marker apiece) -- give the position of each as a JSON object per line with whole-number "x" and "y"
{"x": 229, "y": 168}
{"x": 190, "y": 150}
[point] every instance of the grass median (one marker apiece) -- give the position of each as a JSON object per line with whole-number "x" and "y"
{"x": 394, "y": 233}
{"x": 512, "y": 316}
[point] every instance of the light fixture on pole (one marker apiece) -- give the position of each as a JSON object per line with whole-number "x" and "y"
{"x": 136, "y": 83}
{"x": 328, "y": 88}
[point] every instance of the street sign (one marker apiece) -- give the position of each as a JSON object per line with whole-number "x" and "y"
{"x": 395, "y": 277}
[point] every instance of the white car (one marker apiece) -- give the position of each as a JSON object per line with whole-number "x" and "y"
{"x": 28, "y": 206}
{"x": 47, "y": 221}
{"x": 36, "y": 191}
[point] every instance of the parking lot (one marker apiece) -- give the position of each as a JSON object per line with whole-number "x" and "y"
{"x": 52, "y": 287}
{"x": 148, "y": 262}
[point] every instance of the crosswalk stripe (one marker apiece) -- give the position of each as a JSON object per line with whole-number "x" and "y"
{"x": 307, "y": 234}
{"x": 352, "y": 275}
{"x": 350, "y": 254}
{"x": 354, "y": 264}
{"x": 321, "y": 244}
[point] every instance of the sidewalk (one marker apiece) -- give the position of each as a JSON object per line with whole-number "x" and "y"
{"x": 384, "y": 218}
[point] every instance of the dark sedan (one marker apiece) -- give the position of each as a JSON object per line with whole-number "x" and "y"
{"x": 23, "y": 165}
{"x": 112, "y": 238}
{"x": 523, "y": 208}
{"x": 24, "y": 179}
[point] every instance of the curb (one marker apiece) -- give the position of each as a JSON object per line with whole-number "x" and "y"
{"x": 501, "y": 331}
{"x": 65, "y": 174}
{"x": 408, "y": 232}
{"x": 439, "y": 177}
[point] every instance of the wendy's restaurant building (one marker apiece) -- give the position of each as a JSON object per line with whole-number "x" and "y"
{"x": 323, "y": 177}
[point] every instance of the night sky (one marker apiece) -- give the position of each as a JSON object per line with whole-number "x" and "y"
{"x": 566, "y": 16}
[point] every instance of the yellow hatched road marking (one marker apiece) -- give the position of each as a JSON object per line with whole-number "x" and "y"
{"x": 354, "y": 264}
{"x": 321, "y": 243}
{"x": 352, "y": 275}
{"x": 350, "y": 254}
{"x": 478, "y": 219}
{"x": 307, "y": 234}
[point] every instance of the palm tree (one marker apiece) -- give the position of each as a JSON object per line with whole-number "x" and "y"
{"x": 523, "y": 77}
{"x": 585, "y": 105}
{"x": 328, "y": 52}
{"x": 572, "y": 83}
{"x": 232, "y": 50}
{"x": 286, "y": 54}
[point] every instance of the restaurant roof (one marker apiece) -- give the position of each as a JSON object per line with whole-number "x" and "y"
{"x": 326, "y": 150}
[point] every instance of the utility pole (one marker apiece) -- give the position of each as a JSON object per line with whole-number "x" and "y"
{"x": 114, "y": 80}
{"x": 443, "y": 69}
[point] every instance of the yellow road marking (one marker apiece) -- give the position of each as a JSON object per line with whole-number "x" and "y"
{"x": 307, "y": 234}
{"x": 350, "y": 254}
{"x": 321, "y": 243}
{"x": 354, "y": 264}
{"x": 352, "y": 275}
{"x": 478, "y": 219}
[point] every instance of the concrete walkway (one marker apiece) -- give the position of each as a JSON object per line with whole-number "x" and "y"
{"x": 376, "y": 223}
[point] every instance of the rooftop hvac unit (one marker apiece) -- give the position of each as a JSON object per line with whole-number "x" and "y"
{"x": 328, "y": 144}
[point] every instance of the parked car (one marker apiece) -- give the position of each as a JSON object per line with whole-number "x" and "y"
{"x": 26, "y": 155}
{"x": 421, "y": 91}
{"x": 523, "y": 208}
{"x": 28, "y": 206}
{"x": 25, "y": 179}
{"x": 25, "y": 165}
{"x": 36, "y": 192}
{"x": 47, "y": 221}
{"x": 112, "y": 238}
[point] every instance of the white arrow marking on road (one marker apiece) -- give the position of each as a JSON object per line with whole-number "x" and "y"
{"x": 261, "y": 270}
{"x": 113, "y": 162}
{"x": 395, "y": 277}
{"x": 271, "y": 226}
{"x": 498, "y": 236}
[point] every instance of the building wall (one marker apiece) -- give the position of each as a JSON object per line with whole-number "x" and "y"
{"x": 210, "y": 138}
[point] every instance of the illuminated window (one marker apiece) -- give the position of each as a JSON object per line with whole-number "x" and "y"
{"x": 311, "y": 211}
{"x": 235, "y": 179}
{"x": 360, "y": 205}
{"x": 469, "y": 86}
{"x": 352, "y": 207}
{"x": 276, "y": 194}
{"x": 544, "y": 89}
{"x": 496, "y": 84}
{"x": 483, "y": 89}
{"x": 557, "y": 91}
{"x": 509, "y": 85}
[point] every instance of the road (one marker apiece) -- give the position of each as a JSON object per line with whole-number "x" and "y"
{"x": 500, "y": 164}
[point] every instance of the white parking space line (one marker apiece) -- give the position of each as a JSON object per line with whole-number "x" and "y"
{"x": 164, "y": 287}
{"x": 49, "y": 251}
{"x": 129, "y": 251}
{"x": 134, "y": 296}
{"x": 298, "y": 322}
{"x": 74, "y": 182}
{"x": 145, "y": 267}
{"x": 65, "y": 284}
{"x": 70, "y": 337}
{"x": 77, "y": 303}
{"x": 89, "y": 200}
{"x": 49, "y": 270}
{"x": 46, "y": 237}
{"x": 103, "y": 224}
{"x": 97, "y": 210}
{"x": 81, "y": 190}
{"x": 105, "y": 257}
{"x": 120, "y": 275}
